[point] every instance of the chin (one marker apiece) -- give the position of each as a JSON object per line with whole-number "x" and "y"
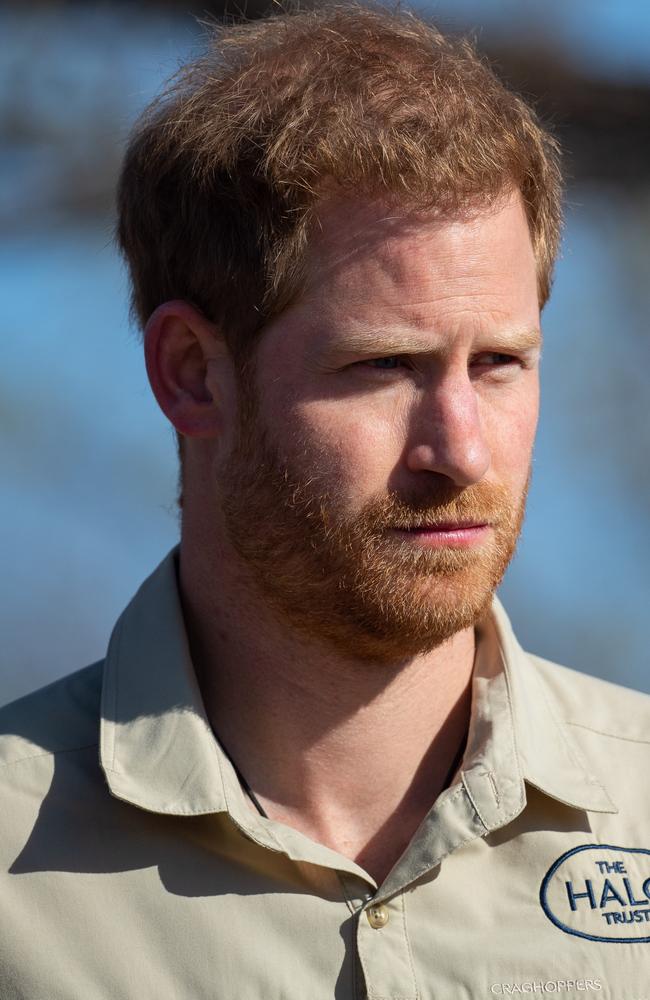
{"x": 414, "y": 624}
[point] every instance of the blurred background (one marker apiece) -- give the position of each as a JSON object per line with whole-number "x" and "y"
{"x": 88, "y": 481}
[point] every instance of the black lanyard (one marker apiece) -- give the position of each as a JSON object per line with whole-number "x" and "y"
{"x": 242, "y": 780}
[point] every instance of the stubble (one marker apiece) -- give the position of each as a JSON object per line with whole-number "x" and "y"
{"x": 356, "y": 581}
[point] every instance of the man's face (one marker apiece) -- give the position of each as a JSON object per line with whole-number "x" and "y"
{"x": 397, "y": 397}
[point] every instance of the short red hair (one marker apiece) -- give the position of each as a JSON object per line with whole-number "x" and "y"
{"x": 223, "y": 171}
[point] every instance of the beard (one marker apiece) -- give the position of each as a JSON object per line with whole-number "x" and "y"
{"x": 350, "y": 580}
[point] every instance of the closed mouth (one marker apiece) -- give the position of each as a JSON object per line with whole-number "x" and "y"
{"x": 447, "y": 526}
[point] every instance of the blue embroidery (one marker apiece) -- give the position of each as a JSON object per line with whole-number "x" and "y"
{"x": 575, "y": 896}
{"x": 606, "y": 883}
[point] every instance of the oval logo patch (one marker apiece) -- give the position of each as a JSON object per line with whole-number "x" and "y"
{"x": 600, "y": 892}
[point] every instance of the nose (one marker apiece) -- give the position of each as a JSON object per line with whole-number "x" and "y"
{"x": 447, "y": 435}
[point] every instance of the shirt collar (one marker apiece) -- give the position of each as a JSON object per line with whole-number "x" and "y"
{"x": 158, "y": 750}
{"x": 549, "y": 757}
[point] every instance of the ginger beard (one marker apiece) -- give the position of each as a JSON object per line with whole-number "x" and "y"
{"x": 348, "y": 579}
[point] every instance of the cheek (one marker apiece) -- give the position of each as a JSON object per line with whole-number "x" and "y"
{"x": 358, "y": 444}
{"x": 510, "y": 424}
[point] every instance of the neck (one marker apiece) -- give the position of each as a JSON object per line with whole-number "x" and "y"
{"x": 341, "y": 749}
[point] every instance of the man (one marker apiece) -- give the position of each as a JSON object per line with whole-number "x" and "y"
{"x": 326, "y": 768}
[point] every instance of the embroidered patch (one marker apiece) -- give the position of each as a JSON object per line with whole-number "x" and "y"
{"x": 600, "y": 892}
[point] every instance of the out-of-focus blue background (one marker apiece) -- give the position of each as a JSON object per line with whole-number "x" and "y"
{"x": 88, "y": 463}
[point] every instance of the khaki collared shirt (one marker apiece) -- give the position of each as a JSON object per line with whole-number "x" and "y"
{"x": 133, "y": 867}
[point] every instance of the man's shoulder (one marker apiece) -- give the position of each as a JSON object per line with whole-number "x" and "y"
{"x": 594, "y": 705}
{"x": 58, "y": 718}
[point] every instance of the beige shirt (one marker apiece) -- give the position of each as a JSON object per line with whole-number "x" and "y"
{"x": 133, "y": 867}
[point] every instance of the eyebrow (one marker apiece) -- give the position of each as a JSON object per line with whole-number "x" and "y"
{"x": 522, "y": 341}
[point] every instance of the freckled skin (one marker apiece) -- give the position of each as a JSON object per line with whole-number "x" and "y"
{"x": 439, "y": 293}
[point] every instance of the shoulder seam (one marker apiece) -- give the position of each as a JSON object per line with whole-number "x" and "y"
{"x": 603, "y": 732}
{"x": 49, "y": 753}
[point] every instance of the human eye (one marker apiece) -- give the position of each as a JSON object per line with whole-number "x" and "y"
{"x": 497, "y": 365}
{"x": 495, "y": 359}
{"x": 389, "y": 362}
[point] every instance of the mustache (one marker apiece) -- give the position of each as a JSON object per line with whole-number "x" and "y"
{"x": 479, "y": 504}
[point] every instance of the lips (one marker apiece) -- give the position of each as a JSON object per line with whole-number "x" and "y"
{"x": 449, "y": 526}
{"x": 448, "y": 534}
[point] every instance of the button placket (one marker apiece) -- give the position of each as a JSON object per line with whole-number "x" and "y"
{"x": 384, "y": 950}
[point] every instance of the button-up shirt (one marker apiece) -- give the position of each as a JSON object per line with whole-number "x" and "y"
{"x": 132, "y": 866}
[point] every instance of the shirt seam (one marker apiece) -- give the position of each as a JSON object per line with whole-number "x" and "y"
{"x": 346, "y": 894}
{"x": 612, "y": 736}
{"x": 573, "y": 752}
{"x": 428, "y": 867}
{"x": 514, "y": 722}
{"x": 256, "y": 837}
{"x": 468, "y": 840}
{"x": 474, "y": 805}
{"x": 165, "y": 810}
{"x": 368, "y": 984}
{"x": 416, "y": 993}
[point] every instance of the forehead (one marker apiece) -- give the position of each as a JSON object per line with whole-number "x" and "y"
{"x": 356, "y": 246}
{"x": 381, "y": 281}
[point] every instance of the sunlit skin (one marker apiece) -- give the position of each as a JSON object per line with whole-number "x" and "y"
{"x": 405, "y": 333}
{"x": 409, "y": 366}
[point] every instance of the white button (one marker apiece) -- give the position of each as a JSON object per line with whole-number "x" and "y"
{"x": 377, "y": 916}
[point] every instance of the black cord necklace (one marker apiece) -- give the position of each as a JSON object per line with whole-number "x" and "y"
{"x": 242, "y": 780}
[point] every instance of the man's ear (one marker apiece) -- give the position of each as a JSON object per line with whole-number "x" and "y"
{"x": 190, "y": 369}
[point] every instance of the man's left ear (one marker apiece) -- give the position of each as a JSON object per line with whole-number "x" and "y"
{"x": 190, "y": 369}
